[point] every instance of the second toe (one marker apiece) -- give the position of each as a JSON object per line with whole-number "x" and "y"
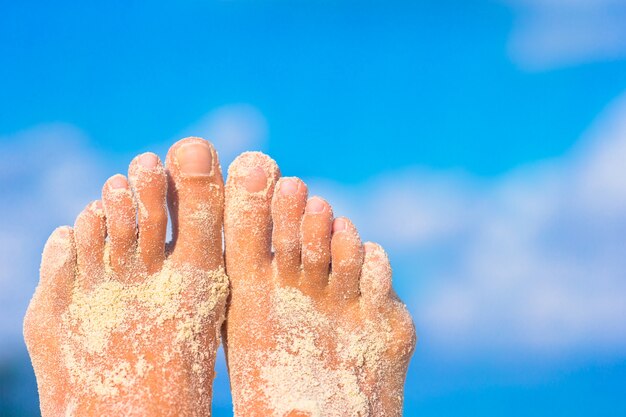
{"x": 148, "y": 181}
{"x": 287, "y": 210}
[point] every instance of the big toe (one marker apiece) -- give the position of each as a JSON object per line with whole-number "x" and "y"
{"x": 196, "y": 201}
{"x": 247, "y": 218}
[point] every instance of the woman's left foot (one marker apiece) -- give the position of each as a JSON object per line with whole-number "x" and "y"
{"x": 118, "y": 324}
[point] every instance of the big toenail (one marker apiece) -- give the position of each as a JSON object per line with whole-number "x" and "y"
{"x": 194, "y": 158}
{"x": 339, "y": 225}
{"x": 148, "y": 160}
{"x": 118, "y": 182}
{"x": 315, "y": 205}
{"x": 256, "y": 180}
{"x": 288, "y": 186}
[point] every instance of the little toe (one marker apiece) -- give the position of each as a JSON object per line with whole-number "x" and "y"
{"x": 147, "y": 178}
{"x": 42, "y": 320}
{"x": 196, "y": 202}
{"x": 375, "y": 282}
{"x": 287, "y": 209}
{"x": 90, "y": 234}
{"x": 247, "y": 216}
{"x": 119, "y": 208}
{"x": 347, "y": 259}
{"x": 316, "y": 231}
{"x": 56, "y": 278}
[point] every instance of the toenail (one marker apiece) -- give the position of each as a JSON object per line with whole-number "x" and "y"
{"x": 148, "y": 160}
{"x": 339, "y": 225}
{"x": 118, "y": 182}
{"x": 370, "y": 248}
{"x": 256, "y": 180}
{"x": 315, "y": 205}
{"x": 288, "y": 186}
{"x": 194, "y": 158}
{"x": 98, "y": 205}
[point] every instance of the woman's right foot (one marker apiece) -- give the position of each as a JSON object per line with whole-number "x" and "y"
{"x": 314, "y": 329}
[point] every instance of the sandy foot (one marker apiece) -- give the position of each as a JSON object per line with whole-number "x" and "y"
{"x": 314, "y": 327}
{"x": 118, "y": 324}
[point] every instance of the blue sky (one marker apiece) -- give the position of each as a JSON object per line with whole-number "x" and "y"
{"x": 482, "y": 142}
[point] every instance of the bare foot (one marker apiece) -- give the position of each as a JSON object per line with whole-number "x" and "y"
{"x": 314, "y": 329}
{"x": 118, "y": 324}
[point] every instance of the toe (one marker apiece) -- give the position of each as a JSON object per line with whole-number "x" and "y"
{"x": 196, "y": 201}
{"x": 119, "y": 209}
{"x": 43, "y": 317}
{"x": 56, "y": 278}
{"x": 247, "y": 217}
{"x": 375, "y": 275}
{"x": 147, "y": 178}
{"x": 287, "y": 210}
{"x": 347, "y": 259}
{"x": 316, "y": 230}
{"x": 90, "y": 233}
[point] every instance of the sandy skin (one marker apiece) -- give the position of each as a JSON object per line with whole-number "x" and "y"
{"x": 123, "y": 324}
{"x": 118, "y": 324}
{"x": 314, "y": 327}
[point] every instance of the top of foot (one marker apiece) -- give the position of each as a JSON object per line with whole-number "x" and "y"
{"x": 314, "y": 327}
{"x": 120, "y": 325}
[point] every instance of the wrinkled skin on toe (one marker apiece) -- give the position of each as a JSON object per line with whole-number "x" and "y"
{"x": 314, "y": 327}
{"x": 118, "y": 324}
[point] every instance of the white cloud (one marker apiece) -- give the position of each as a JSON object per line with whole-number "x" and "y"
{"x": 600, "y": 165}
{"x": 532, "y": 263}
{"x": 427, "y": 207}
{"x": 232, "y": 128}
{"x": 553, "y": 33}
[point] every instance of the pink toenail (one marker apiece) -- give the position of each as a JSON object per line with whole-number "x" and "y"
{"x": 288, "y": 186}
{"x": 256, "y": 180}
{"x": 339, "y": 225}
{"x": 118, "y": 182}
{"x": 195, "y": 158}
{"x": 315, "y": 205}
{"x": 148, "y": 160}
{"x": 98, "y": 204}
